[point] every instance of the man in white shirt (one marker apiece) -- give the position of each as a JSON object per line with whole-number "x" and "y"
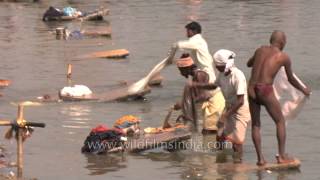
{"x": 199, "y": 52}
{"x": 236, "y": 116}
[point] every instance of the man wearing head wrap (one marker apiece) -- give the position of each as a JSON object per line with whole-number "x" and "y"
{"x": 197, "y": 47}
{"x": 234, "y": 120}
{"x": 211, "y": 106}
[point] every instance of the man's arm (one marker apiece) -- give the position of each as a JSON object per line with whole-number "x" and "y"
{"x": 171, "y": 54}
{"x": 241, "y": 89}
{"x": 207, "y": 86}
{"x": 186, "y": 44}
{"x": 227, "y": 113}
{"x": 234, "y": 108}
{"x": 251, "y": 60}
{"x": 292, "y": 79}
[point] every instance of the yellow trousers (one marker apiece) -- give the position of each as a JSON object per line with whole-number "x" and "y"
{"x": 212, "y": 110}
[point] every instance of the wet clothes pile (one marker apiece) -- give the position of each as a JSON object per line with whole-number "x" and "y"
{"x": 53, "y": 13}
{"x": 102, "y": 139}
{"x": 75, "y": 91}
{"x": 129, "y": 124}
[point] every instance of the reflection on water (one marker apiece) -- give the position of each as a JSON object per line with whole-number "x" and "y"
{"x": 78, "y": 116}
{"x": 102, "y": 164}
{"x": 35, "y": 61}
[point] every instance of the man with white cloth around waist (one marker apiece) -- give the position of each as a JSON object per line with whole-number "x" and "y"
{"x": 199, "y": 52}
{"x": 236, "y": 116}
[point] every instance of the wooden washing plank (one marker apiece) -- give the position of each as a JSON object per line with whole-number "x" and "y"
{"x": 120, "y": 94}
{"x": 97, "y": 15}
{"x": 150, "y": 141}
{"x": 117, "y": 53}
{"x": 156, "y": 81}
{"x": 79, "y": 98}
{"x": 244, "y": 167}
{"x": 4, "y": 83}
{"x": 106, "y": 33}
{"x": 111, "y": 95}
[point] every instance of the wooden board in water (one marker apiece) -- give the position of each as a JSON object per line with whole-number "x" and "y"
{"x": 156, "y": 81}
{"x": 79, "y": 98}
{"x": 150, "y": 141}
{"x": 4, "y": 83}
{"x": 111, "y": 95}
{"x": 117, "y": 53}
{"x": 97, "y": 15}
{"x": 106, "y": 33}
{"x": 232, "y": 167}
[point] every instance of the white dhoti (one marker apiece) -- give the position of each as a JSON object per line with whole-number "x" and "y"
{"x": 235, "y": 127}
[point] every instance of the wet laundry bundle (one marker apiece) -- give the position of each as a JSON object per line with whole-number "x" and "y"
{"x": 75, "y": 91}
{"x": 129, "y": 124}
{"x": 53, "y": 12}
{"x": 69, "y": 11}
{"x": 103, "y": 139}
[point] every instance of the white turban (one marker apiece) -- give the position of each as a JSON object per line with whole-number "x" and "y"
{"x": 224, "y": 57}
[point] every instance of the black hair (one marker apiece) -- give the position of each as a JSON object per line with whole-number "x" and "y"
{"x": 192, "y": 67}
{"x": 194, "y": 27}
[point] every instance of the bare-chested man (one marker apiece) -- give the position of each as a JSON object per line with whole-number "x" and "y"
{"x": 265, "y": 63}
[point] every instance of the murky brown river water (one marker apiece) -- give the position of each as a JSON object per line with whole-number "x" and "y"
{"x": 35, "y": 61}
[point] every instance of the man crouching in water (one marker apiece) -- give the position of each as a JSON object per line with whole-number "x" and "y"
{"x": 212, "y": 103}
{"x": 236, "y": 116}
{"x": 265, "y": 63}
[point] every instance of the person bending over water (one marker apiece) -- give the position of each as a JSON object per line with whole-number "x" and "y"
{"x": 265, "y": 63}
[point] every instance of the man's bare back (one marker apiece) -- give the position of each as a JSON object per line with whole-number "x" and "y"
{"x": 265, "y": 64}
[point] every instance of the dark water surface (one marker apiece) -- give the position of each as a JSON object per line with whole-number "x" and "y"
{"x": 35, "y": 61}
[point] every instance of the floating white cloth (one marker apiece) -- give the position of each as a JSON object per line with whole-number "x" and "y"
{"x": 140, "y": 85}
{"x": 76, "y": 90}
{"x": 293, "y": 104}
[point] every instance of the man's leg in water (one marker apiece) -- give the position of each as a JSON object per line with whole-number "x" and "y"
{"x": 255, "y": 131}
{"x": 238, "y": 153}
{"x": 274, "y": 109}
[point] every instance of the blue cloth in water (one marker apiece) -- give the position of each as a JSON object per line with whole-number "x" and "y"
{"x": 76, "y": 35}
{"x": 69, "y": 11}
{"x": 124, "y": 125}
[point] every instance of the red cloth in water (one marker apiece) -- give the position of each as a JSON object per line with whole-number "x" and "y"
{"x": 103, "y": 128}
